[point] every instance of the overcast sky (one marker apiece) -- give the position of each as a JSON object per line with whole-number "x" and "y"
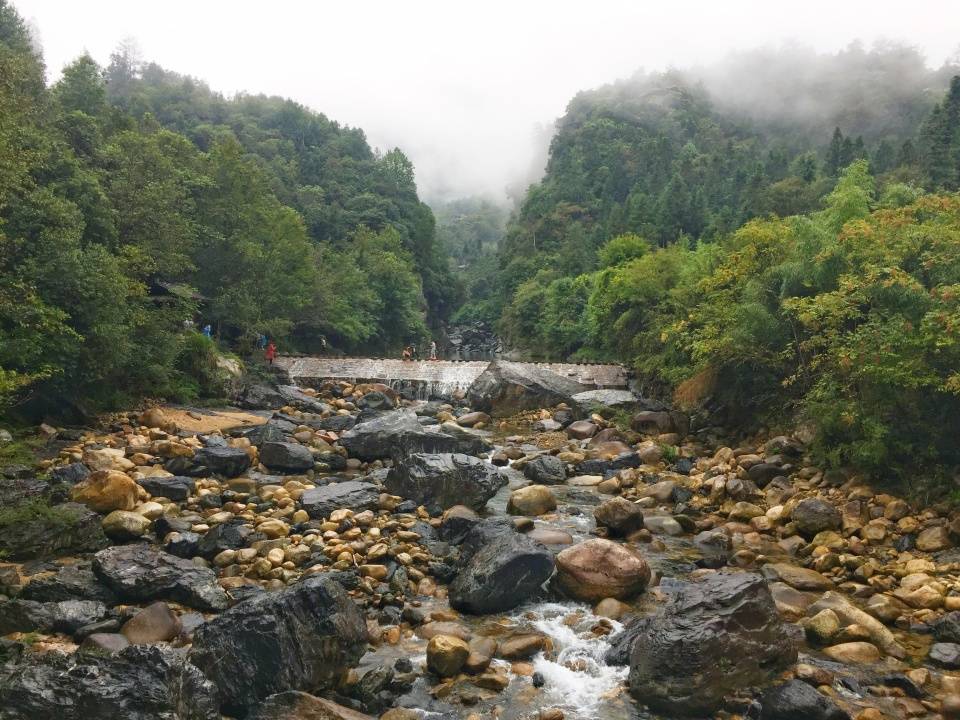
{"x": 461, "y": 86}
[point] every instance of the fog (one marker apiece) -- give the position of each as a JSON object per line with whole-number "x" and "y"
{"x": 466, "y": 89}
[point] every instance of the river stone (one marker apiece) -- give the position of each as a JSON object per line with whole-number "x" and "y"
{"x": 105, "y": 491}
{"x": 506, "y": 388}
{"x": 103, "y": 643}
{"x": 945, "y": 655}
{"x": 446, "y": 654}
{"x": 618, "y": 399}
{"x": 849, "y": 614}
{"x": 124, "y": 525}
{"x": 945, "y": 629}
{"x": 853, "y": 652}
{"x": 173, "y": 487}
{"x": 228, "y": 462}
{"x": 445, "y": 480}
{"x": 136, "y": 683}
{"x": 598, "y": 569}
{"x": 304, "y": 637}
{"x": 353, "y": 495}
{"x": 716, "y": 636}
{"x": 796, "y": 700}
{"x": 286, "y": 457}
{"x": 531, "y": 501}
{"x": 399, "y": 433}
{"x": 141, "y": 572}
{"x": 797, "y": 577}
{"x": 155, "y": 623}
{"x": 581, "y": 430}
{"x": 619, "y": 516}
{"x": 504, "y": 570}
{"x": 294, "y": 705}
{"x": 545, "y": 470}
{"x": 815, "y": 515}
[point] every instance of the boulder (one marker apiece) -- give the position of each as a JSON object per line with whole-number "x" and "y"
{"x": 849, "y": 614}
{"x": 796, "y": 700}
{"x": 173, "y": 487}
{"x": 105, "y": 491}
{"x": 140, "y": 572}
{"x": 660, "y": 421}
{"x": 286, "y": 457}
{"x": 123, "y": 525}
{"x": 504, "y": 569}
{"x": 155, "y": 623}
{"x": 445, "y": 480}
{"x": 294, "y": 705}
{"x": 506, "y": 388}
{"x": 446, "y": 654}
{"x": 716, "y": 636}
{"x": 70, "y": 474}
{"x": 598, "y": 569}
{"x": 399, "y": 433}
{"x": 619, "y": 516}
{"x": 598, "y": 399}
{"x": 815, "y": 515}
{"x": 228, "y": 462}
{"x": 473, "y": 418}
{"x": 136, "y": 683}
{"x": 51, "y": 531}
{"x": 531, "y": 500}
{"x": 305, "y": 638}
{"x": 352, "y": 495}
{"x": 66, "y": 616}
{"x": 69, "y": 582}
{"x": 581, "y": 430}
{"x": 545, "y": 470}
{"x": 260, "y": 396}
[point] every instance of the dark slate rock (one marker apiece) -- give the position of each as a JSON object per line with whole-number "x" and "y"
{"x": 184, "y": 545}
{"x": 286, "y": 457}
{"x": 445, "y": 480}
{"x": 947, "y": 628}
{"x": 795, "y": 700}
{"x": 545, "y": 470}
{"x": 66, "y": 529}
{"x": 166, "y": 524}
{"x": 177, "y": 487}
{"x": 304, "y": 638}
{"x": 762, "y": 473}
{"x": 271, "y": 431}
{"x": 140, "y": 682}
{"x": 815, "y": 515}
{"x": 225, "y": 536}
{"x": 140, "y": 572}
{"x": 337, "y": 423}
{"x": 945, "y": 655}
{"x": 674, "y": 663}
{"x": 353, "y": 494}
{"x": 227, "y": 462}
{"x": 70, "y": 474}
{"x": 65, "y": 616}
{"x": 501, "y": 574}
{"x": 70, "y": 582}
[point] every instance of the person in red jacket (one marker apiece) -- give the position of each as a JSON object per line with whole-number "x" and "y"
{"x": 271, "y": 352}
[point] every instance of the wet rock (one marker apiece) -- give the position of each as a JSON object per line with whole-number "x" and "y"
{"x": 174, "y": 487}
{"x": 619, "y": 515}
{"x": 814, "y": 515}
{"x": 598, "y": 569}
{"x": 457, "y": 521}
{"x": 545, "y": 470}
{"x": 763, "y": 473}
{"x": 504, "y": 570}
{"x": 715, "y": 546}
{"x": 66, "y": 616}
{"x": 947, "y": 628}
{"x": 531, "y": 500}
{"x": 850, "y": 614}
{"x": 136, "y": 683}
{"x": 352, "y": 494}
{"x": 945, "y": 655}
{"x": 286, "y": 457}
{"x": 823, "y": 627}
{"x": 715, "y": 637}
{"x": 473, "y": 418}
{"x": 853, "y": 652}
{"x": 796, "y": 700}
{"x": 103, "y": 643}
{"x": 141, "y": 572}
{"x": 227, "y": 462}
{"x": 302, "y": 638}
{"x": 446, "y": 654}
{"x": 445, "y": 480}
{"x": 294, "y": 705}
{"x": 522, "y": 647}
{"x": 155, "y": 623}
{"x": 506, "y": 388}
{"x": 797, "y": 577}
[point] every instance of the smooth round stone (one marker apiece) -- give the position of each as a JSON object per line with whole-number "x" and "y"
{"x": 548, "y": 536}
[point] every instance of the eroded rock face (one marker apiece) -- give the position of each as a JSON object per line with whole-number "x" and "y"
{"x": 715, "y": 636}
{"x": 504, "y": 570}
{"x": 445, "y": 480}
{"x": 506, "y": 388}
{"x": 136, "y": 683}
{"x": 302, "y": 638}
{"x": 141, "y": 572}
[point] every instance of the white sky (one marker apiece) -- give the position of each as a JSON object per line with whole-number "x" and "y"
{"x": 461, "y": 86}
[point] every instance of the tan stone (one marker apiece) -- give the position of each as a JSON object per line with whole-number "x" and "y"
{"x": 853, "y": 652}
{"x": 446, "y": 655}
{"x": 532, "y": 500}
{"x": 598, "y": 569}
{"x": 105, "y": 491}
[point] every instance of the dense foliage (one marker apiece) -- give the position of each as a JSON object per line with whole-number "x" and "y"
{"x": 132, "y": 200}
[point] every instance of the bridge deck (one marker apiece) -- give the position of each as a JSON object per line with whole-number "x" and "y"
{"x": 449, "y": 373}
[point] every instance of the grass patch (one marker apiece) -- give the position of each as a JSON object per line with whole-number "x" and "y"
{"x": 23, "y": 450}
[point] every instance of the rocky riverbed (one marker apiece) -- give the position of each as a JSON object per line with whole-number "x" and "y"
{"x": 352, "y": 554}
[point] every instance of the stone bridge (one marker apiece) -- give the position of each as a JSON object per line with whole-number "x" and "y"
{"x": 431, "y": 378}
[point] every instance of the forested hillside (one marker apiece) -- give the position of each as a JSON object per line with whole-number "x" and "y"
{"x": 133, "y": 199}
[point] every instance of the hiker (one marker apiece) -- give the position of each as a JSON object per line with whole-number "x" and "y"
{"x": 261, "y": 341}
{"x": 433, "y": 349}
{"x": 207, "y": 330}
{"x": 407, "y": 353}
{"x": 271, "y": 352}
{"x": 413, "y": 352}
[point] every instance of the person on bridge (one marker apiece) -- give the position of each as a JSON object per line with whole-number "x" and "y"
{"x": 433, "y": 349}
{"x": 407, "y": 353}
{"x": 271, "y": 353}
